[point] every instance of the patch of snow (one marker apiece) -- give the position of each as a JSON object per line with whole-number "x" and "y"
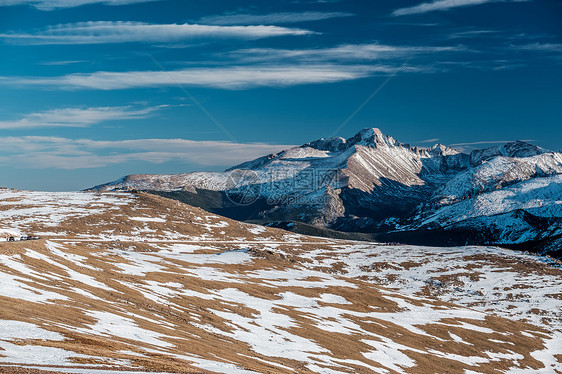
{"x": 110, "y": 324}
{"x": 148, "y": 219}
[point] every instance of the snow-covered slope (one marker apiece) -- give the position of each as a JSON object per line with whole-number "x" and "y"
{"x": 124, "y": 282}
{"x": 498, "y": 172}
{"x": 539, "y": 196}
{"x": 512, "y": 149}
{"x": 372, "y": 182}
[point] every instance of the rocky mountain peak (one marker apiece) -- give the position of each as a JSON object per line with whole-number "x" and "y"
{"x": 512, "y": 149}
{"x": 370, "y": 137}
{"x": 442, "y": 150}
{"x": 373, "y": 137}
{"x": 522, "y": 149}
{"x": 333, "y": 144}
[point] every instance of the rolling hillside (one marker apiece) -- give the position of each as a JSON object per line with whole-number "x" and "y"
{"x": 139, "y": 283}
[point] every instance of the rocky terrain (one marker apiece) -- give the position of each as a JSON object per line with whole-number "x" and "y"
{"x": 507, "y": 195}
{"x": 133, "y": 282}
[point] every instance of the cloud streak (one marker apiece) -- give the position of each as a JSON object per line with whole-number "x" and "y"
{"x": 443, "y": 5}
{"x": 470, "y": 146}
{"x": 270, "y": 19}
{"x": 56, "y": 4}
{"x": 472, "y": 34}
{"x": 65, "y": 153}
{"x": 539, "y": 47}
{"x": 100, "y": 32}
{"x": 231, "y": 78}
{"x": 432, "y": 140}
{"x": 344, "y": 52}
{"x": 76, "y": 117}
{"x": 489, "y": 142}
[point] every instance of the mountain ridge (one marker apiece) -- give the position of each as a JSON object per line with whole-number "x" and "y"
{"x": 374, "y": 183}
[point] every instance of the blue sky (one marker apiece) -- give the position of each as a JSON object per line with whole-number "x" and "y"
{"x": 92, "y": 90}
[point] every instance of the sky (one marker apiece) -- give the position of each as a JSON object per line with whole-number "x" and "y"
{"x": 93, "y": 90}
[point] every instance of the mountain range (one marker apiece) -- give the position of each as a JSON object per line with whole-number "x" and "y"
{"x": 371, "y": 183}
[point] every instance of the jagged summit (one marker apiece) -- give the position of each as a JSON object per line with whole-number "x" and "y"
{"x": 375, "y": 138}
{"x": 333, "y": 144}
{"x": 443, "y": 150}
{"x": 369, "y": 137}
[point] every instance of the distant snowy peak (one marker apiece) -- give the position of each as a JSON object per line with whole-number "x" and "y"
{"x": 338, "y": 148}
{"x": 442, "y": 150}
{"x": 374, "y": 138}
{"x": 369, "y": 137}
{"x": 517, "y": 149}
{"x": 498, "y": 172}
{"x": 334, "y": 144}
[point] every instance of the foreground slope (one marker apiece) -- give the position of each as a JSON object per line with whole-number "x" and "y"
{"x": 373, "y": 183}
{"x": 135, "y": 282}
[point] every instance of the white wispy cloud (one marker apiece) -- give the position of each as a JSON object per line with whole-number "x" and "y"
{"x": 442, "y": 5}
{"x": 97, "y": 32}
{"x": 56, "y": 4}
{"x": 432, "y": 140}
{"x": 270, "y": 19}
{"x": 344, "y": 52}
{"x": 468, "y": 147}
{"x": 472, "y": 34}
{"x": 540, "y": 47}
{"x": 65, "y": 153}
{"x": 76, "y": 117}
{"x": 232, "y": 78}
{"x": 484, "y": 142}
{"x": 485, "y": 65}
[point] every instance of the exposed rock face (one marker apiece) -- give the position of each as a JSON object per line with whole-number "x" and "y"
{"x": 372, "y": 182}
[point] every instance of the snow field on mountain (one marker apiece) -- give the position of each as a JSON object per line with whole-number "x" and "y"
{"x": 541, "y": 197}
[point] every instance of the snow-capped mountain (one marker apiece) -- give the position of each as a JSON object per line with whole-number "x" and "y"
{"x": 371, "y": 182}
